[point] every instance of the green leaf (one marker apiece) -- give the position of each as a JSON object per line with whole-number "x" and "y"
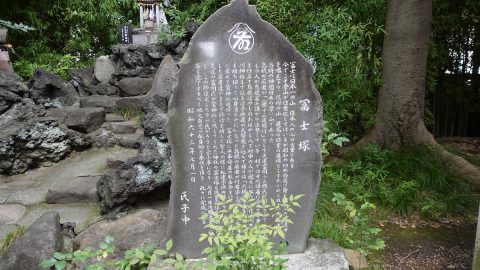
{"x": 48, "y": 263}
{"x": 169, "y": 261}
{"x": 169, "y": 245}
{"x": 59, "y": 256}
{"x": 160, "y": 252}
{"x": 179, "y": 257}
{"x": 60, "y": 265}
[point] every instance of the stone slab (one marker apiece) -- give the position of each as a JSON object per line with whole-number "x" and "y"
{"x": 74, "y": 190}
{"x": 145, "y": 227}
{"x": 11, "y": 213}
{"x": 244, "y": 117}
{"x": 127, "y": 127}
{"x": 319, "y": 255}
{"x": 81, "y": 214}
{"x": 111, "y": 117}
{"x": 106, "y": 102}
{"x": 37, "y": 182}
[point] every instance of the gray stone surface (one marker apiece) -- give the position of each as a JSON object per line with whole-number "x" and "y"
{"x": 12, "y": 89}
{"x": 111, "y": 117}
{"x": 104, "y": 88}
{"x": 96, "y": 101}
{"x": 11, "y": 213}
{"x": 81, "y": 215}
{"x": 134, "y": 86}
{"x": 164, "y": 78}
{"x": 82, "y": 79}
{"x": 103, "y": 138}
{"x": 132, "y": 141}
{"x": 85, "y": 120}
{"x": 319, "y": 255}
{"x": 32, "y": 187}
{"x": 46, "y": 87}
{"x": 23, "y": 111}
{"x": 104, "y": 69}
{"x": 139, "y": 175}
{"x": 126, "y": 127}
{"x": 131, "y": 103}
{"x": 267, "y": 115}
{"x": 145, "y": 227}
{"x": 30, "y": 144}
{"x": 74, "y": 190}
{"x": 154, "y": 124}
{"x": 42, "y": 239}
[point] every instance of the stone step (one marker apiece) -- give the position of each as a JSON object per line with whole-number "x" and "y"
{"x": 127, "y": 127}
{"x": 11, "y": 213}
{"x": 76, "y": 190}
{"x": 111, "y": 117}
{"x": 106, "y": 102}
{"x": 131, "y": 141}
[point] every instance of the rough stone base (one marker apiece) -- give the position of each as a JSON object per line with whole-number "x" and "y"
{"x": 319, "y": 255}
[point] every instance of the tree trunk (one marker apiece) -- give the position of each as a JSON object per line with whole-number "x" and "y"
{"x": 399, "y": 122}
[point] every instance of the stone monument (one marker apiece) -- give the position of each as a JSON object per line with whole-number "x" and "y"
{"x": 244, "y": 117}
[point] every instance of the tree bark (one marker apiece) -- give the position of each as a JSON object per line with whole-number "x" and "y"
{"x": 400, "y": 111}
{"x": 399, "y": 120}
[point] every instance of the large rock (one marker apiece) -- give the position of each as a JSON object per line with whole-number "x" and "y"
{"x": 74, "y": 190}
{"x": 42, "y": 239}
{"x": 155, "y": 104}
{"x": 103, "y": 138}
{"x": 146, "y": 227}
{"x": 155, "y": 125}
{"x": 148, "y": 171}
{"x": 83, "y": 120}
{"x": 164, "y": 78}
{"x": 104, "y": 89}
{"x": 131, "y": 103}
{"x": 28, "y": 145}
{"x": 12, "y": 89}
{"x": 23, "y": 111}
{"x": 104, "y": 68}
{"x": 135, "y": 86}
{"x": 127, "y": 127}
{"x": 46, "y": 87}
{"x": 83, "y": 79}
{"x": 108, "y": 103}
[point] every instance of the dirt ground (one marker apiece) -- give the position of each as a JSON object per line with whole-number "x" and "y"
{"x": 426, "y": 245}
{"x": 429, "y": 246}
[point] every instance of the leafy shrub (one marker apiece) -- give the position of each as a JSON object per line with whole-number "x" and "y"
{"x": 55, "y": 63}
{"x": 99, "y": 259}
{"x": 239, "y": 241}
{"x": 361, "y": 233}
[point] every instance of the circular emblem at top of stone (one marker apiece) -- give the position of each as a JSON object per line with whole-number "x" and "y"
{"x": 242, "y": 38}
